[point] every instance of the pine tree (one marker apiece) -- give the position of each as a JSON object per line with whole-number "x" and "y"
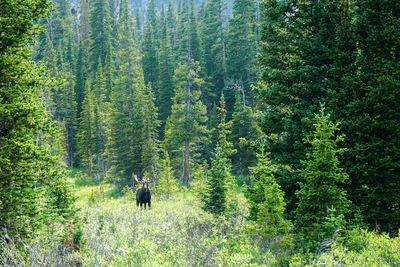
{"x": 244, "y": 131}
{"x": 241, "y": 48}
{"x": 214, "y": 48}
{"x": 267, "y": 206}
{"x": 322, "y": 196}
{"x": 99, "y": 113}
{"x": 171, "y": 24}
{"x": 152, "y": 19}
{"x": 150, "y": 59}
{"x": 26, "y": 159}
{"x": 186, "y": 129}
{"x": 80, "y": 77}
{"x": 84, "y": 21}
{"x": 325, "y": 57}
{"x": 100, "y": 34}
{"x": 366, "y": 103}
{"x": 86, "y": 129}
{"x": 166, "y": 82}
{"x": 221, "y": 193}
{"x": 188, "y": 39}
{"x": 301, "y": 54}
{"x": 130, "y": 116}
{"x": 150, "y": 150}
{"x": 167, "y": 186}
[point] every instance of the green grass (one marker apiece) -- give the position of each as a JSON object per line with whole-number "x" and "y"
{"x": 177, "y": 232}
{"x": 173, "y": 232}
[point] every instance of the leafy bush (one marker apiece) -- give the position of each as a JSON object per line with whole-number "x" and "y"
{"x": 359, "y": 248}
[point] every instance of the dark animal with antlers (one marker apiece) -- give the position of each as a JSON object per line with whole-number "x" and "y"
{"x": 143, "y": 195}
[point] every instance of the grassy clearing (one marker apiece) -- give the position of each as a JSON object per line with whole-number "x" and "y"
{"x": 172, "y": 233}
{"x": 178, "y": 232}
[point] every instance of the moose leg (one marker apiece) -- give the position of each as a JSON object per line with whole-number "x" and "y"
{"x": 145, "y": 205}
{"x": 149, "y": 204}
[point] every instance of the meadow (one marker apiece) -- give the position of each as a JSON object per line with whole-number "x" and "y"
{"x": 178, "y": 232}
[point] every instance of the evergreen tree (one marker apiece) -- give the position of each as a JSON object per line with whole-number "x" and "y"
{"x": 166, "y": 82}
{"x": 100, "y": 34}
{"x": 325, "y": 57}
{"x": 220, "y": 196}
{"x": 149, "y": 115}
{"x": 321, "y": 197}
{"x": 167, "y": 185}
{"x": 367, "y": 105}
{"x": 152, "y": 19}
{"x": 131, "y": 113}
{"x": 295, "y": 66}
{"x": 84, "y": 21}
{"x": 244, "y": 131}
{"x": 186, "y": 131}
{"x": 188, "y": 40}
{"x": 267, "y": 206}
{"x": 242, "y": 48}
{"x": 150, "y": 59}
{"x": 86, "y": 129}
{"x": 80, "y": 77}
{"x": 171, "y": 23}
{"x": 214, "y": 48}
{"x": 33, "y": 192}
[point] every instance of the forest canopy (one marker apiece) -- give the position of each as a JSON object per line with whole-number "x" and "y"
{"x": 282, "y": 115}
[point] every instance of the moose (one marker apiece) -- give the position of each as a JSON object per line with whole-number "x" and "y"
{"x": 143, "y": 195}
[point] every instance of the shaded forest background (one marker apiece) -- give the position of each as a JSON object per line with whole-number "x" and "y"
{"x": 293, "y": 103}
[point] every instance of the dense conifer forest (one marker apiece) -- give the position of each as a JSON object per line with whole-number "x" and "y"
{"x": 268, "y": 132}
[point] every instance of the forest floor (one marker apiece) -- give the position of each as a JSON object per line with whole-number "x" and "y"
{"x": 174, "y": 232}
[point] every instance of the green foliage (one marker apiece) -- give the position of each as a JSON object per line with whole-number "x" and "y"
{"x": 187, "y": 36}
{"x": 100, "y": 33}
{"x": 322, "y": 199}
{"x": 221, "y": 186}
{"x": 245, "y": 130}
{"x": 33, "y": 191}
{"x": 267, "y": 206}
{"x": 242, "y": 48}
{"x": 150, "y": 59}
{"x": 167, "y": 186}
{"x": 214, "y": 48}
{"x": 186, "y": 131}
{"x": 362, "y": 248}
{"x": 166, "y": 82}
{"x": 327, "y": 52}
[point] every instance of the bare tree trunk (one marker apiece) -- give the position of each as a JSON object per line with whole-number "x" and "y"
{"x": 186, "y": 162}
{"x": 186, "y": 145}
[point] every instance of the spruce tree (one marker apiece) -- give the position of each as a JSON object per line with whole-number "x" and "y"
{"x": 325, "y": 57}
{"x": 186, "y": 130}
{"x": 166, "y": 82}
{"x": 296, "y": 78}
{"x": 367, "y": 105}
{"x": 244, "y": 131}
{"x": 86, "y": 129}
{"x": 150, "y": 149}
{"x": 321, "y": 196}
{"x": 167, "y": 186}
{"x": 267, "y": 206}
{"x": 214, "y": 48}
{"x": 241, "y": 48}
{"x": 33, "y": 192}
{"x": 100, "y": 34}
{"x": 150, "y": 59}
{"x": 221, "y": 187}
{"x": 188, "y": 39}
{"x": 131, "y": 114}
